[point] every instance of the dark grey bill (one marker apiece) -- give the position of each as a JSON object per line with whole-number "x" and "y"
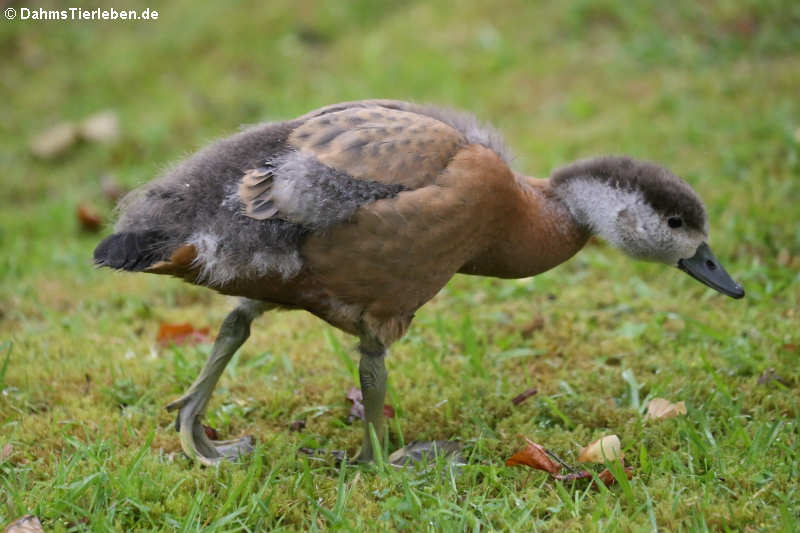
{"x": 704, "y": 267}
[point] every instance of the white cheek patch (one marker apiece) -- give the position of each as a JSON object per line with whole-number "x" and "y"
{"x": 628, "y": 222}
{"x": 689, "y": 242}
{"x": 597, "y": 205}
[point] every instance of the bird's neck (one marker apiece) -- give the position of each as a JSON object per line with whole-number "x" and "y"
{"x": 597, "y": 206}
{"x": 537, "y": 233}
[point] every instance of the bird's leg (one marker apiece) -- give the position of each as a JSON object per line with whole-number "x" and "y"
{"x": 232, "y": 334}
{"x": 372, "y": 374}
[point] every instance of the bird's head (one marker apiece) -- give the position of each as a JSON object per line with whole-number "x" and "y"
{"x": 647, "y": 212}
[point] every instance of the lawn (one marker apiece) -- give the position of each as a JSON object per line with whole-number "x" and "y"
{"x": 708, "y": 89}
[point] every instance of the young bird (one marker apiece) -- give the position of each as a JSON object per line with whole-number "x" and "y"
{"x": 361, "y": 212}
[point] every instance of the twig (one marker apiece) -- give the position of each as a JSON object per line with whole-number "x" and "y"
{"x": 519, "y": 398}
{"x": 561, "y": 462}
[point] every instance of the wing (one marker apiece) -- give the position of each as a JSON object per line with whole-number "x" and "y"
{"x": 344, "y": 158}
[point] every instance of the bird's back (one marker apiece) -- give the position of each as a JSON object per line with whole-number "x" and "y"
{"x": 195, "y": 203}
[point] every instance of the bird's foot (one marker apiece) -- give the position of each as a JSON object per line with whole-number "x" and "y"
{"x": 194, "y": 440}
{"x": 321, "y": 454}
{"x": 417, "y": 452}
{"x": 365, "y": 456}
{"x": 336, "y": 456}
{"x": 414, "y": 453}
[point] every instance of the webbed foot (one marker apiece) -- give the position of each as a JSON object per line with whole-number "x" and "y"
{"x": 417, "y": 452}
{"x": 194, "y": 440}
{"x": 321, "y": 454}
{"x": 191, "y": 406}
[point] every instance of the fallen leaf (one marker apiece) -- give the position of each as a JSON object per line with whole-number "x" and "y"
{"x": 770, "y": 375}
{"x": 6, "y": 452}
{"x": 54, "y": 141}
{"x": 354, "y": 394}
{"x": 603, "y": 449}
{"x": 297, "y": 425}
{"x": 791, "y": 347}
{"x": 357, "y": 409}
{"x": 608, "y": 478}
{"x": 181, "y": 334}
{"x": 26, "y": 524}
{"x": 521, "y": 397}
{"x": 100, "y": 127}
{"x": 210, "y": 432}
{"x": 535, "y": 324}
{"x": 88, "y": 218}
{"x": 661, "y": 409}
{"x": 535, "y": 456}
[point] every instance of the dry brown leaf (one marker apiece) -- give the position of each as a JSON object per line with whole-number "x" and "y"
{"x": 608, "y": 478}
{"x": 355, "y": 395}
{"x": 661, "y": 409}
{"x": 357, "y": 409}
{"x": 88, "y": 218}
{"x": 535, "y": 456}
{"x": 26, "y": 524}
{"x": 534, "y": 325}
{"x": 54, "y": 141}
{"x": 603, "y": 449}
{"x": 181, "y": 334}
{"x": 210, "y": 432}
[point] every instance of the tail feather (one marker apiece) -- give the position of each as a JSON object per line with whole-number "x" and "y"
{"x": 134, "y": 251}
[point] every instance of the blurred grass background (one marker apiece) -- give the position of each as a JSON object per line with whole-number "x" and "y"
{"x": 710, "y": 89}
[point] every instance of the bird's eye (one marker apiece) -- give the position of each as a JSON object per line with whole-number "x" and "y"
{"x": 675, "y": 222}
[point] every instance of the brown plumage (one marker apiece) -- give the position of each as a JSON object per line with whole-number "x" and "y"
{"x": 361, "y": 212}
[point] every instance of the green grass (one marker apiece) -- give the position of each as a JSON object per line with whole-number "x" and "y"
{"x": 709, "y": 89}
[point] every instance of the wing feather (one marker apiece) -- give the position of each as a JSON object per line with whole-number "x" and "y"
{"x": 346, "y": 158}
{"x": 380, "y": 144}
